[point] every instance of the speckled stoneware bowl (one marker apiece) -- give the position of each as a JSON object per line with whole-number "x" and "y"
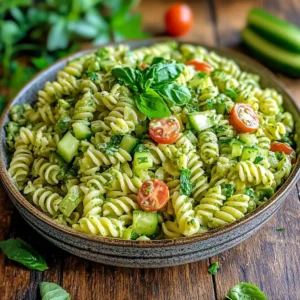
{"x": 148, "y": 254}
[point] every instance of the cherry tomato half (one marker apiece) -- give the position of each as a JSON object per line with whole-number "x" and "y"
{"x": 281, "y": 147}
{"x": 243, "y": 118}
{"x": 164, "y": 130}
{"x": 179, "y": 19}
{"x": 153, "y": 195}
{"x": 199, "y": 65}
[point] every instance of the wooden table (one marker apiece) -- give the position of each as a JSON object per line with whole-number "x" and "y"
{"x": 269, "y": 259}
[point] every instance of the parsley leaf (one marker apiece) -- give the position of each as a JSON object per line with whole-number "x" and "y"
{"x": 112, "y": 146}
{"x": 20, "y": 251}
{"x": 245, "y": 290}
{"x": 214, "y": 268}
{"x": 186, "y": 187}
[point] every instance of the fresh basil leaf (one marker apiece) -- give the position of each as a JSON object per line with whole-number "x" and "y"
{"x": 186, "y": 187}
{"x": 249, "y": 192}
{"x": 162, "y": 73}
{"x": 214, "y": 268}
{"x": 52, "y": 291}
{"x": 258, "y": 159}
{"x": 20, "y": 251}
{"x": 112, "y": 146}
{"x": 175, "y": 93}
{"x": 231, "y": 93}
{"x": 245, "y": 291}
{"x": 152, "y": 105}
{"x": 126, "y": 75}
{"x": 157, "y": 59}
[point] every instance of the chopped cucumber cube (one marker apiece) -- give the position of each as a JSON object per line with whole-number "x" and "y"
{"x": 128, "y": 143}
{"x": 202, "y": 120}
{"x": 71, "y": 200}
{"x": 142, "y": 161}
{"x": 248, "y": 139}
{"x": 81, "y": 131}
{"x": 145, "y": 223}
{"x": 236, "y": 150}
{"x": 67, "y": 147}
{"x": 249, "y": 153}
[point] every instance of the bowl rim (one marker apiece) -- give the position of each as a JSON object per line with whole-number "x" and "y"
{"x": 13, "y": 190}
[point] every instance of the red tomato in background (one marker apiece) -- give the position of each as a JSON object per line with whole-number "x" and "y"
{"x": 199, "y": 65}
{"x": 179, "y": 19}
{"x": 153, "y": 195}
{"x": 164, "y": 130}
{"x": 243, "y": 118}
{"x": 281, "y": 147}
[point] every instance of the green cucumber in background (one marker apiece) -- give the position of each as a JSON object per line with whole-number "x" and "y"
{"x": 275, "y": 30}
{"x": 270, "y": 54}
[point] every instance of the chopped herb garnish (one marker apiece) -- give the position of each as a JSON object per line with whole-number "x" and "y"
{"x": 186, "y": 187}
{"x": 280, "y": 229}
{"x": 231, "y": 93}
{"x": 92, "y": 75}
{"x": 112, "y": 146}
{"x": 258, "y": 159}
{"x": 249, "y": 192}
{"x": 227, "y": 189}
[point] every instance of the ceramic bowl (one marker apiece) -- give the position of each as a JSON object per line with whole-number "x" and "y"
{"x": 146, "y": 254}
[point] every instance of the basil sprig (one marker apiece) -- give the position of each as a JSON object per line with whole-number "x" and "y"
{"x": 20, "y": 251}
{"x": 245, "y": 290}
{"x": 154, "y": 86}
{"x": 49, "y": 291}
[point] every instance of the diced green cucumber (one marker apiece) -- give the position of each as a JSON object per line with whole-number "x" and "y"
{"x": 55, "y": 159}
{"x": 272, "y": 55}
{"x": 67, "y": 147}
{"x": 236, "y": 149}
{"x": 81, "y": 131}
{"x": 201, "y": 121}
{"x": 248, "y": 139}
{"x": 145, "y": 223}
{"x": 142, "y": 161}
{"x": 274, "y": 29}
{"x": 189, "y": 134}
{"x": 200, "y": 81}
{"x": 221, "y": 108}
{"x": 128, "y": 143}
{"x": 249, "y": 153}
{"x": 71, "y": 200}
{"x": 127, "y": 233}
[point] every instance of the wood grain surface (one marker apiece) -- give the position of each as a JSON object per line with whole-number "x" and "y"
{"x": 269, "y": 259}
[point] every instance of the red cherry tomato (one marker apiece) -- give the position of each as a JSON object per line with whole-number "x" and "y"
{"x": 153, "y": 195}
{"x": 281, "y": 147}
{"x": 243, "y": 118}
{"x": 199, "y": 65}
{"x": 179, "y": 19}
{"x": 164, "y": 130}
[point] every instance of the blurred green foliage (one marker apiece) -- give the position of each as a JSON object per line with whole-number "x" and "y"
{"x": 48, "y": 30}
